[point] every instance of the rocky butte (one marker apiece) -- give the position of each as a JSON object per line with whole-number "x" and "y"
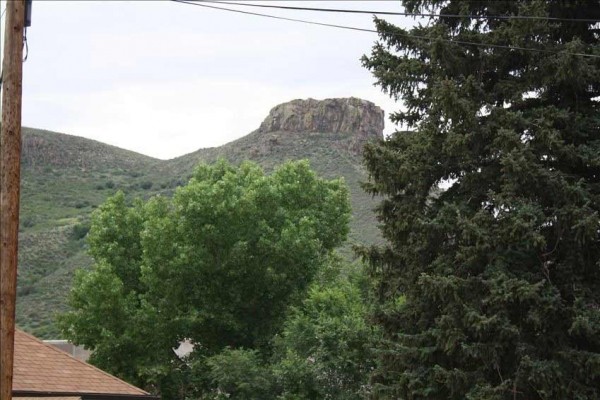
{"x": 359, "y": 120}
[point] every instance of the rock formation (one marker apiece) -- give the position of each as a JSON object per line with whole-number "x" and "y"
{"x": 359, "y": 119}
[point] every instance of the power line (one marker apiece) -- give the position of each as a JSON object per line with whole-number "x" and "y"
{"x": 275, "y": 16}
{"x": 353, "y": 28}
{"x": 397, "y": 13}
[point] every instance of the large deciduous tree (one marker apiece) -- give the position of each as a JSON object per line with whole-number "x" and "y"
{"x": 219, "y": 264}
{"x": 324, "y": 350}
{"x": 491, "y": 205}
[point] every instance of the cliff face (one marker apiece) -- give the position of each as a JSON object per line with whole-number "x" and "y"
{"x": 359, "y": 119}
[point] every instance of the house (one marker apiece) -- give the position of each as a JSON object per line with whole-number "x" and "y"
{"x": 43, "y": 372}
{"x": 79, "y": 352}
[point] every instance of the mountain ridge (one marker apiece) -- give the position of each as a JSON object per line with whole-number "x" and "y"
{"x": 65, "y": 177}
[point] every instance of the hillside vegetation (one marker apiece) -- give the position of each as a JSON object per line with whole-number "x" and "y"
{"x": 64, "y": 178}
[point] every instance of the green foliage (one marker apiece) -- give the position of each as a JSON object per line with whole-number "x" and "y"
{"x": 64, "y": 179}
{"x": 80, "y": 230}
{"x": 59, "y": 175}
{"x": 500, "y": 267}
{"x": 114, "y": 239}
{"x": 27, "y": 222}
{"x": 324, "y": 351}
{"x": 146, "y": 185}
{"x": 239, "y": 374}
{"x": 219, "y": 264}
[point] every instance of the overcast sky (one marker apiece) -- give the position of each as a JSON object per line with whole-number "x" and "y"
{"x": 165, "y": 79}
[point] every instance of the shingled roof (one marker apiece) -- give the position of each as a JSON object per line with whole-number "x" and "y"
{"x": 43, "y": 370}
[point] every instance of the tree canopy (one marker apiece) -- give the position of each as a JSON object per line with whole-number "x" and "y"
{"x": 491, "y": 202}
{"x": 324, "y": 350}
{"x": 218, "y": 264}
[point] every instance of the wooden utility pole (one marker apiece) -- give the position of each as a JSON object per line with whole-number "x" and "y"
{"x": 10, "y": 179}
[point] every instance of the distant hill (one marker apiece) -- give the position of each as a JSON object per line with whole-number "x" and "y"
{"x": 64, "y": 178}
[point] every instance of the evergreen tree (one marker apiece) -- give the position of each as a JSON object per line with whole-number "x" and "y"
{"x": 491, "y": 202}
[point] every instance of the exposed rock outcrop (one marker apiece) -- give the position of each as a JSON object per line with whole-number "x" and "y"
{"x": 359, "y": 119}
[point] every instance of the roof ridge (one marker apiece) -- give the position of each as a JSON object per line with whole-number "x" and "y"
{"x": 65, "y": 354}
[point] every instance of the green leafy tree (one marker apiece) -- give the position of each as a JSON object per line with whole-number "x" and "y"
{"x": 491, "y": 203}
{"x": 239, "y": 374}
{"x": 219, "y": 264}
{"x": 325, "y": 349}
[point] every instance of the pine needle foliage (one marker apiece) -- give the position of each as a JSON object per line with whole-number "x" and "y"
{"x": 491, "y": 202}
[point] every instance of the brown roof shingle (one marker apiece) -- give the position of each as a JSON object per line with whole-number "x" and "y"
{"x": 39, "y": 367}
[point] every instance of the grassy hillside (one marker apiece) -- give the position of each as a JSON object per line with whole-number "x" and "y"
{"x": 329, "y": 155}
{"x": 64, "y": 178}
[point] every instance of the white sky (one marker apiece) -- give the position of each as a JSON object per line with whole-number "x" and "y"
{"x": 165, "y": 79}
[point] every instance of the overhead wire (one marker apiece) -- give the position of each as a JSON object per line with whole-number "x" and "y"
{"x": 455, "y": 41}
{"x": 274, "y": 16}
{"x": 398, "y": 13}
